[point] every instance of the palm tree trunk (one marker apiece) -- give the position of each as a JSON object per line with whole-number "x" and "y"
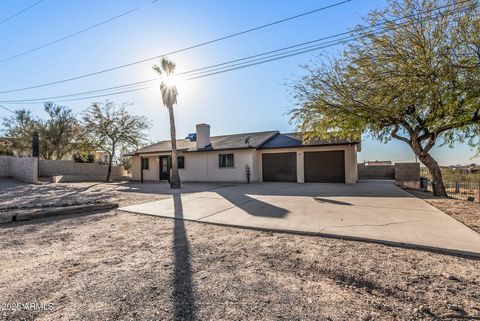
{"x": 175, "y": 178}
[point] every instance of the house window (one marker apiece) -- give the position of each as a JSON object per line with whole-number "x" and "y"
{"x": 225, "y": 161}
{"x": 181, "y": 161}
{"x": 144, "y": 163}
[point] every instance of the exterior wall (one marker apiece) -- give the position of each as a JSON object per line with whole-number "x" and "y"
{"x": 66, "y": 167}
{"x": 376, "y": 171}
{"x": 24, "y": 169}
{"x": 135, "y": 168}
{"x": 203, "y": 166}
{"x": 351, "y": 171}
{"x": 4, "y": 166}
{"x": 407, "y": 175}
{"x": 153, "y": 171}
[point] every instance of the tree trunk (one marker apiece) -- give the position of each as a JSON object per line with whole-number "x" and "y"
{"x": 109, "y": 172}
{"x": 434, "y": 169}
{"x": 432, "y": 165}
{"x": 174, "y": 178}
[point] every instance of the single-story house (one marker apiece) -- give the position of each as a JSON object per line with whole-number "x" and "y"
{"x": 262, "y": 156}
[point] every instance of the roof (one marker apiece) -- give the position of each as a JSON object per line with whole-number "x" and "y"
{"x": 236, "y": 141}
{"x": 257, "y": 140}
{"x": 295, "y": 140}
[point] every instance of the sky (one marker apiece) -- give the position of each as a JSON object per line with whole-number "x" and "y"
{"x": 246, "y": 100}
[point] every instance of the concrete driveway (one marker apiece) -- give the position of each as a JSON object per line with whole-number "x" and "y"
{"x": 369, "y": 210}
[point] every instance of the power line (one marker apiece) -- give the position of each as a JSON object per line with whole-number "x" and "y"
{"x": 20, "y": 12}
{"x": 228, "y": 66}
{"x": 73, "y": 34}
{"x": 7, "y": 109}
{"x": 197, "y": 73}
{"x": 173, "y": 52}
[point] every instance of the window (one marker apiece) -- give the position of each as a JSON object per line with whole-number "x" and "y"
{"x": 144, "y": 163}
{"x": 225, "y": 160}
{"x": 181, "y": 161}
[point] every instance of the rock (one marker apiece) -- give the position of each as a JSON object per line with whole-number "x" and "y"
{"x": 450, "y": 276}
{"x": 423, "y": 309}
{"x": 455, "y": 307}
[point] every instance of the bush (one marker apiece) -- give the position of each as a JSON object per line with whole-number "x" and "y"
{"x": 5, "y": 150}
{"x": 91, "y": 158}
{"x": 77, "y": 158}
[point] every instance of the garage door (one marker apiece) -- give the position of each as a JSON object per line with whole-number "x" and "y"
{"x": 325, "y": 167}
{"x": 279, "y": 167}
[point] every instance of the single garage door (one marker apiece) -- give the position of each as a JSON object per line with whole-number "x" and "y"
{"x": 325, "y": 167}
{"x": 279, "y": 167}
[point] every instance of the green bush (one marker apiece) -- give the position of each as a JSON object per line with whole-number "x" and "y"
{"x": 91, "y": 158}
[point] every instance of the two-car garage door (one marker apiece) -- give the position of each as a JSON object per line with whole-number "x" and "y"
{"x": 319, "y": 167}
{"x": 324, "y": 167}
{"x": 279, "y": 167}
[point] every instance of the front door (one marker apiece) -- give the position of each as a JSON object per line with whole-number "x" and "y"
{"x": 164, "y": 168}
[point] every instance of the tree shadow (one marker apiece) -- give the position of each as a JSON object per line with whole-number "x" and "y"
{"x": 330, "y": 201}
{"x": 182, "y": 296}
{"x": 253, "y": 206}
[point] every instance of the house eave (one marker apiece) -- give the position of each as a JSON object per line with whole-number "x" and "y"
{"x": 312, "y": 145}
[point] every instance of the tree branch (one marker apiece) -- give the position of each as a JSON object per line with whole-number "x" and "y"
{"x": 395, "y": 135}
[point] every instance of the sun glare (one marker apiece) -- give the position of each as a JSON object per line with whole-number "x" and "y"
{"x": 170, "y": 81}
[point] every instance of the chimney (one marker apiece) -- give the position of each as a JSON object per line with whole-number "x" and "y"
{"x": 203, "y": 135}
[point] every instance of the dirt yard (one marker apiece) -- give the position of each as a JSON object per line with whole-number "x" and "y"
{"x": 466, "y": 212}
{"x": 123, "y": 266}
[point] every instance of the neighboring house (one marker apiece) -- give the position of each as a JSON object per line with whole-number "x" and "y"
{"x": 466, "y": 169}
{"x": 268, "y": 156}
{"x": 377, "y": 163}
{"x": 101, "y": 157}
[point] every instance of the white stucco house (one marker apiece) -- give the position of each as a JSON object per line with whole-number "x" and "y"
{"x": 263, "y": 156}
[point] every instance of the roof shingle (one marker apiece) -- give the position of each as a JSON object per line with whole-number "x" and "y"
{"x": 236, "y": 141}
{"x": 295, "y": 140}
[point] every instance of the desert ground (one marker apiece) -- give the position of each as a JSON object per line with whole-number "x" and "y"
{"x": 123, "y": 266}
{"x": 117, "y": 265}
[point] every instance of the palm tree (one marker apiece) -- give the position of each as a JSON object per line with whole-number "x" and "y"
{"x": 169, "y": 98}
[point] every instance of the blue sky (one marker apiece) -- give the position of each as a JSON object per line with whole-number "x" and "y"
{"x": 250, "y": 99}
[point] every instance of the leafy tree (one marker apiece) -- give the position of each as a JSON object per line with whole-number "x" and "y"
{"x": 417, "y": 80}
{"x": 83, "y": 158}
{"x": 109, "y": 127}
{"x": 169, "y": 97}
{"x": 58, "y": 134}
{"x": 59, "y": 131}
{"x": 5, "y": 150}
{"x": 19, "y": 129}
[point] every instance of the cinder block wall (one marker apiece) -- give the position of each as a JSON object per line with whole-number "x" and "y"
{"x": 376, "y": 172}
{"x": 24, "y": 169}
{"x": 4, "y": 166}
{"x": 407, "y": 175}
{"x": 50, "y": 168}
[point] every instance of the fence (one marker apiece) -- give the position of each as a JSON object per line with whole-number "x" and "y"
{"x": 466, "y": 191}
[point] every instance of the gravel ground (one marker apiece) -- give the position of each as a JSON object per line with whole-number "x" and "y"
{"x": 466, "y": 212}
{"x": 19, "y": 195}
{"x": 117, "y": 265}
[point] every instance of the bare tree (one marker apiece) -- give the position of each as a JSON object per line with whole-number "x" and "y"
{"x": 109, "y": 127}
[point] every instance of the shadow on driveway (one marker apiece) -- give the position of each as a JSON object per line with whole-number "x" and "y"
{"x": 182, "y": 296}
